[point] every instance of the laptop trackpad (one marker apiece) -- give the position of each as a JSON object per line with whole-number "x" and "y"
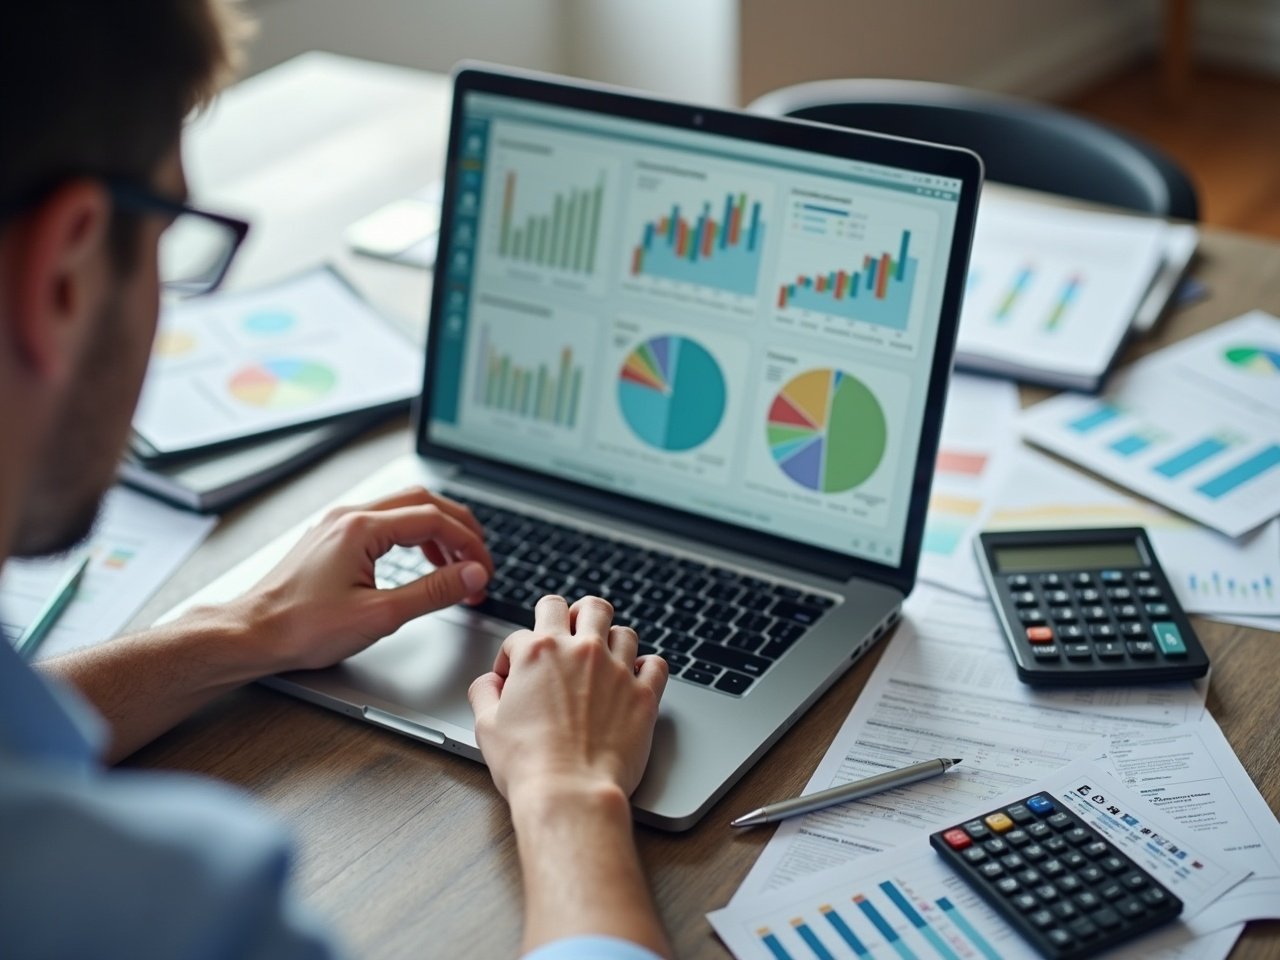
{"x": 425, "y": 667}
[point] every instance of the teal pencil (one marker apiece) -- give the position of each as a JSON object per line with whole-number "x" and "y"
{"x": 34, "y": 635}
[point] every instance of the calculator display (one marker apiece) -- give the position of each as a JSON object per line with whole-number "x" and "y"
{"x": 1075, "y": 556}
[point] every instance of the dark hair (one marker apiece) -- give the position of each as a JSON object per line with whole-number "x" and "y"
{"x": 101, "y": 88}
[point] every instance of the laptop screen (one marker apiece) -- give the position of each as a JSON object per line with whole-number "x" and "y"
{"x": 735, "y": 329}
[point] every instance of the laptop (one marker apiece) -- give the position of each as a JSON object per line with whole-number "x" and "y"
{"x": 691, "y": 360}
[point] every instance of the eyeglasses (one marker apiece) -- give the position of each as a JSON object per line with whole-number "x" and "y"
{"x": 196, "y": 248}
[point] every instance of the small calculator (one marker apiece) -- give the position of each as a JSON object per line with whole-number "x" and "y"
{"x": 1084, "y": 607}
{"x": 1055, "y": 879}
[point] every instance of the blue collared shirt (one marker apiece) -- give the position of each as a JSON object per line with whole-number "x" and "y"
{"x": 123, "y": 864}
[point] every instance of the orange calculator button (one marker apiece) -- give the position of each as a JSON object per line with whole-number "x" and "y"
{"x": 957, "y": 839}
{"x": 998, "y": 822}
{"x": 1040, "y": 634}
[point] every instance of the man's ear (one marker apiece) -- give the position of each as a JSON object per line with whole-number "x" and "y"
{"x": 63, "y": 275}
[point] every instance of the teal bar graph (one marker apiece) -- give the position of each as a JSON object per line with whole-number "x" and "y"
{"x": 886, "y": 929}
{"x": 845, "y": 933}
{"x": 964, "y": 926}
{"x": 1095, "y": 418}
{"x": 1132, "y": 444}
{"x": 773, "y": 945}
{"x": 811, "y": 939}
{"x": 1252, "y": 468}
{"x": 1193, "y": 456}
{"x": 917, "y": 921}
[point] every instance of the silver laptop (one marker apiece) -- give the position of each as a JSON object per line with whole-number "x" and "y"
{"x": 693, "y": 361}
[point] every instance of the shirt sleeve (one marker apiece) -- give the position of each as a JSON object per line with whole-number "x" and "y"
{"x": 133, "y": 865}
{"x": 592, "y": 948}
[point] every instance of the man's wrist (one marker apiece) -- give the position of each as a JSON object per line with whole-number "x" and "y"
{"x": 545, "y": 800}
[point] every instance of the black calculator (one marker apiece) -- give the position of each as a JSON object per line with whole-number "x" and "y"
{"x": 1085, "y": 607}
{"x": 1055, "y": 879}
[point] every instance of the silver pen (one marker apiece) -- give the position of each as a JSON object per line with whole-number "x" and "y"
{"x": 848, "y": 791}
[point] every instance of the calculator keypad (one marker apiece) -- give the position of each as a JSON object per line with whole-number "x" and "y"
{"x": 1058, "y": 881}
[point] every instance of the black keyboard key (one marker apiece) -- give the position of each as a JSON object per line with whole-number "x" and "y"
{"x": 658, "y": 594}
{"x": 715, "y": 632}
{"x": 676, "y": 660}
{"x": 756, "y": 622}
{"x": 720, "y": 612}
{"x": 683, "y": 622}
{"x": 786, "y": 631}
{"x": 688, "y": 603}
{"x": 745, "y": 640}
{"x": 739, "y": 660}
{"x": 712, "y": 668}
{"x": 733, "y": 682}
{"x": 520, "y": 614}
{"x": 797, "y": 612}
{"x": 697, "y": 676}
{"x": 627, "y": 585}
{"x": 818, "y": 600}
{"x": 679, "y": 643}
{"x": 785, "y": 592}
{"x": 724, "y": 592}
{"x": 755, "y": 601}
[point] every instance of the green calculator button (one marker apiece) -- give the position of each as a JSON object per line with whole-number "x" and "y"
{"x": 1169, "y": 638}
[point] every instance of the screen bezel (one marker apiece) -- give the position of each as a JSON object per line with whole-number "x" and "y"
{"x": 954, "y": 162}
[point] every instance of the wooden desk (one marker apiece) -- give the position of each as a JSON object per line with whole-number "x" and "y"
{"x": 404, "y": 848}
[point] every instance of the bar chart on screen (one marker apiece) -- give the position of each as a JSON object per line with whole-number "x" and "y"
{"x": 851, "y": 267}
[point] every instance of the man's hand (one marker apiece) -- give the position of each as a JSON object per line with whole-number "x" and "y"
{"x": 565, "y": 722}
{"x": 568, "y": 704}
{"x": 320, "y": 605}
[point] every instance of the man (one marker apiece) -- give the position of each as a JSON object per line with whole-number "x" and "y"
{"x": 98, "y": 863}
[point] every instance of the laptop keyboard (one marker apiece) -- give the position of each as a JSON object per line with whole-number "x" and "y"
{"x": 716, "y": 627}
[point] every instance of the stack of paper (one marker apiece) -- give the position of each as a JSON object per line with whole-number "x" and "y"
{"x": 1053, "y": 292}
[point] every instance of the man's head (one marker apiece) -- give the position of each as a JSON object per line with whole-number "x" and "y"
{"x": 92, "y": 93}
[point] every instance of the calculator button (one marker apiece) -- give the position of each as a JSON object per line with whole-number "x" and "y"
{"x": 1157, "y": 610}
{"x": 1040, "y": 805}
{"x": 1154, "y": 897}
{"x": 975, "y": 855}
{"x": 1113, "y": 864}
{"x": 1059, "y": 938}
{"x": 977, "y": 829}
{"x": 1088, "y": 596}
{"x": 1111, "y": 891}
{"x": 1059, "y": 821}
{"x": 1150, "y": 593}
{"x": 1074, "y": 859}
{"x": 1029, "y": 877}
{"x": 1042, "y": 918}
{"x": 996, "y": 846}
{"x": 1034, "y": 853}
{"x": 1134, "y": 881}
{"x": 1130, "y": 908}
{"x": 1053, "y": 868}
{"x": 1055, "y": 597}
{"x": 1088, "y": 900}
{"x": 1065, "y": 910}
{"x": 1026, "y": 598}
{"x": 1102, "y": 631}
{"x": 1055, "y": 845}
{"x": 1169, "y": 638}
{"x": 1082, "y": 579}
{"x": 957, "y": 839}
{"x": 1126, "y": 611}
{"x": 1076, "y": 835}
{"x": 1018, "y": 813}
{"x": 1040, "y": 634}
{"x": 1141, "y": 649}
{"x": 1031, "y": 617}
{"x": 998, "y": 822}
{"x": 1071, "y": 631}
{"x": 1017, "y": 837}
{"x": 1012, "y": 861}
{"x": 1027, "y": 902}
{"x": 1096, "y": 614}
{"x": 1082, "y": 928}
{"x": 1008, "y": 885}
{"x": 1045, "y": 651}
{"x": 1078, "y": 651}
{"x": 1050, "y": 580}
{"x": 1047, "y": 892}
{"x": 1133, "y": 630}
{"x": 1018, "y": 581}
{"x": 991, "y": 870}
{"x": 1092, "y": 874}
{"x": 1143, "y": 576}
{"x": 1109, "y": 650}
{"x": 1111, "y": 576}
{"x": 1038, "y": 830}
{"x": 1069, "y": 884}
{"x": 1062, "y": 614}
{"x": 1119, "y": 593}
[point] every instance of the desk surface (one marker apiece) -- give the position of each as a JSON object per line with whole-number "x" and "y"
{"x": 401, "y": 846}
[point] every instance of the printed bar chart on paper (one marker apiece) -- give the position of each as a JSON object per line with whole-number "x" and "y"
{"x": 878, "y": 291}
{"x": 546, "y": 393}
{"x": 672, "y": 393}
{"x": 717, "y": 247}
{"x": 1193, "y": 426}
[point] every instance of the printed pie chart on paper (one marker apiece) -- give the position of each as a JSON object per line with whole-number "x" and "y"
{"x": 282, "y": 383}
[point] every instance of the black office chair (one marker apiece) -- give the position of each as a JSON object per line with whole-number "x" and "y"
{"x": 1022, "y": 143}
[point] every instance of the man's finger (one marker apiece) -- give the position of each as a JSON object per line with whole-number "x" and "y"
{"x": 652, "y": 671}
{"x": 484, "y": 693}
{"x": 591, "y": 617}
{"x": 415, "y": 527}
{"x": 623, "y": 643}
{"x": 441, "y": 588}
{"x": 502, "y": 662}
{"x": 419, "y": 496}
{"x": 551, "y": 615}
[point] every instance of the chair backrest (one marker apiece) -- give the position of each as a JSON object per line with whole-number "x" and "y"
{"x": 1021, "y": 143}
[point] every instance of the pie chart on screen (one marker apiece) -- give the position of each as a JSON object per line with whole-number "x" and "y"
{"x": 282, "y": 384}
{"x": 827, "y": 431}
{"x": 672, "y": 393}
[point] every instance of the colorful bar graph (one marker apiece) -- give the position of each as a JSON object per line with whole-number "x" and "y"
{"x": 1193, "y": 456}
{"x": 1241, "y": 473}
{"x": 843, "y": 931}
{"x": 811, "y": 940}
{"x": 917, "y": 921}
{"x": 1103, "y": 413}
{"x": 1019, "y": 287}
{"x": 564, "y": 239}
{"x": 772, "y": 944}
{"x": 881, "y": 924}
{"x": 961, "y": 464}
{"x": 544, "y": 395}
{"x": 723, "y": 254}
{"x": 879, "y": 292}
{"x": 964, "y": 926}
{"x": 1065, "y": 299}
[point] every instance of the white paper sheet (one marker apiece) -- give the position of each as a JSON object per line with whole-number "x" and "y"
{"x": 1063, "y": 305}
{"x": 238, "y": 364}
{"x": 978, "y": 443}
{"x": 926, "y": 906}
{"x": 1195, "y": 426}
{"x": 137, "y": 545}
{"x": 1210, "y": 573}
{"x": 946, "y": 687}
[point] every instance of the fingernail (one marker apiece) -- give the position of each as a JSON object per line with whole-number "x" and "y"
{"x": 474, "y": 577}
